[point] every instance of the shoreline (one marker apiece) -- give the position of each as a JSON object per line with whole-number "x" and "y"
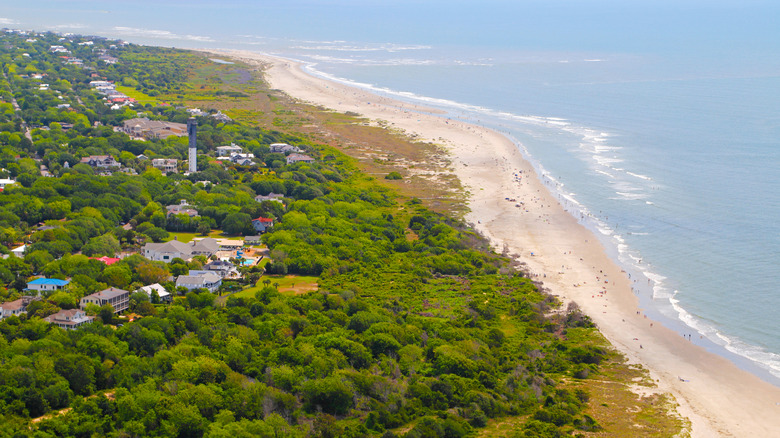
{"x": 718, "y": 398}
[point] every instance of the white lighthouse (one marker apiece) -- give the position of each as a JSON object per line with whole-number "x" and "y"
{"x": 192, "y": 132}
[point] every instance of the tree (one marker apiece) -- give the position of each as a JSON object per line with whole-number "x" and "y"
{"x": 106, "y": 313}
{"x": 237, "y": 223}
{"x": 152, "y": 272}
{"x": 105, "y": 245}
{"x": 116, "y": 275}
{"x": 138, "y": 298}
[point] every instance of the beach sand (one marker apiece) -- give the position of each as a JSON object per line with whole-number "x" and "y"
{"x": 719, "y": 398}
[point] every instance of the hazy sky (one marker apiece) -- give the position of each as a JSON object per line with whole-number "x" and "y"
{"x": 595, "y": 25}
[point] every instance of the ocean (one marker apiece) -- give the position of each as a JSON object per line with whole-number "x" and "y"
{"x": 657, "y": 124}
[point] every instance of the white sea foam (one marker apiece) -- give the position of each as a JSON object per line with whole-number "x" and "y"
{"x": 605, "y": 157}
{"x": 630, "y": 196}
{"x": 644, "y": 177}
{"x": 765, "y": 359}
{"x": 604, "y": 173}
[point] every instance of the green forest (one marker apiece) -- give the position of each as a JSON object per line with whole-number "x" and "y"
{"x": 416, "y": 329}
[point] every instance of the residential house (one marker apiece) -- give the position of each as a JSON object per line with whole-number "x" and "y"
{"x": 143, "y": 127}
{"x": 262, "y": 224}
{"x": 205, "y": 247}
{"x": 283, "y": 148}
{"x": 222, "y": 118}
{"x": 223, "y": 268}
{"x": 276, "y": 197}
{"x": 108, "y": 59}
{"x": 69, "y": 319}
{"x": 47, "y": 284}
{"x": 58, "y": 49}
{"x": 181, "y": 208}
{"x": 118, "y": 298}
{"x": 19, "y": 251}
{"x": 107, "y": 260}
{"x": 4, "y": 182}
{"x": 165, "y": 252}
{"x": 166, "y": 164}
{"x": 299, "y": 158}
{"x": 252, "y": 240}
{"x": 165, "y": 297}
{"x": 16, "y": 307}
{"x": 230, "y": 244}
{"x": 95, "y": 84}
{"x": 226, "y": 151}
{"x": 208, "y": 280}
{"x": 242, "y": 159}
{"x": 100, "y": 161}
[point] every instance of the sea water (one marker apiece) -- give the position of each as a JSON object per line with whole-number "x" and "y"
{"x": 657, "y": 125}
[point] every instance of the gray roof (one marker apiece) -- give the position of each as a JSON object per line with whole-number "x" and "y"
{"x": 207, "y": 244}
{"x": 219, "y": 265}
{"x": 107, "y": 294}
{"x": 197, "y": 279}
{"x": 171, "y": 246}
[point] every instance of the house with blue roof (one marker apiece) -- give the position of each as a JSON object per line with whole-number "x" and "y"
{"x": 47, "y": 284}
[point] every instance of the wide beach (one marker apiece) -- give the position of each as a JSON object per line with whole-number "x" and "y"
{"x": 513, "y": 208}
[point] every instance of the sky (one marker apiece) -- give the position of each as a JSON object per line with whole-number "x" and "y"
{"x": 583, "y": 25}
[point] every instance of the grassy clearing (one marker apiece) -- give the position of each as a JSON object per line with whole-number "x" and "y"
{"x": 140, "y": 97}
{"x": 287, "y": 284}
{"x": 187, "y": 237}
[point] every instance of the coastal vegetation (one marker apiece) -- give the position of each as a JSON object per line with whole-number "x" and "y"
{"x": 377, "y": 313}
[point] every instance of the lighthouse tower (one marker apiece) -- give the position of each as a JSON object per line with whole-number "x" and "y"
{"x": 192, "y": 132}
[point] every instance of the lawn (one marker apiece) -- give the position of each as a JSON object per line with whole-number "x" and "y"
{"x": 287, "y": 284}
{"x": 137, "y": 95}
{"x": 186, "y": 237}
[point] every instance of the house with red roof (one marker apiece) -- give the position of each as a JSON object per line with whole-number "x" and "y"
{"x": 107, "y": 260}
{"x": 262, "y": 224}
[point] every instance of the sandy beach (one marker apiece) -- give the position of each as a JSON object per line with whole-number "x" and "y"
{"x": 719, "y": 398}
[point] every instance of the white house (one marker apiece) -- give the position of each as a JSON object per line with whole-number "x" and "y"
{"x": 5, "y": 182}
{"x": 208, "y": 280}
{"x": 19, "y": 251}
{"x": 283, "y": 148}
{"x": 276, "y": 197}
{"x": 165, "y": 252}
{"x": 165, "y": 297}
{"x": 16, "y": 307}
{"x": 165, "y": 164}
{"x": 47, "y": 284}
{"x": 299, "y": 158}
{"x": 226, "y": 151}
{"x": 69, "y": 319}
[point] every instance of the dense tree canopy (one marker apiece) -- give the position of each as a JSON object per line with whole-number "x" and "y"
{"x": 416, "y": 328}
